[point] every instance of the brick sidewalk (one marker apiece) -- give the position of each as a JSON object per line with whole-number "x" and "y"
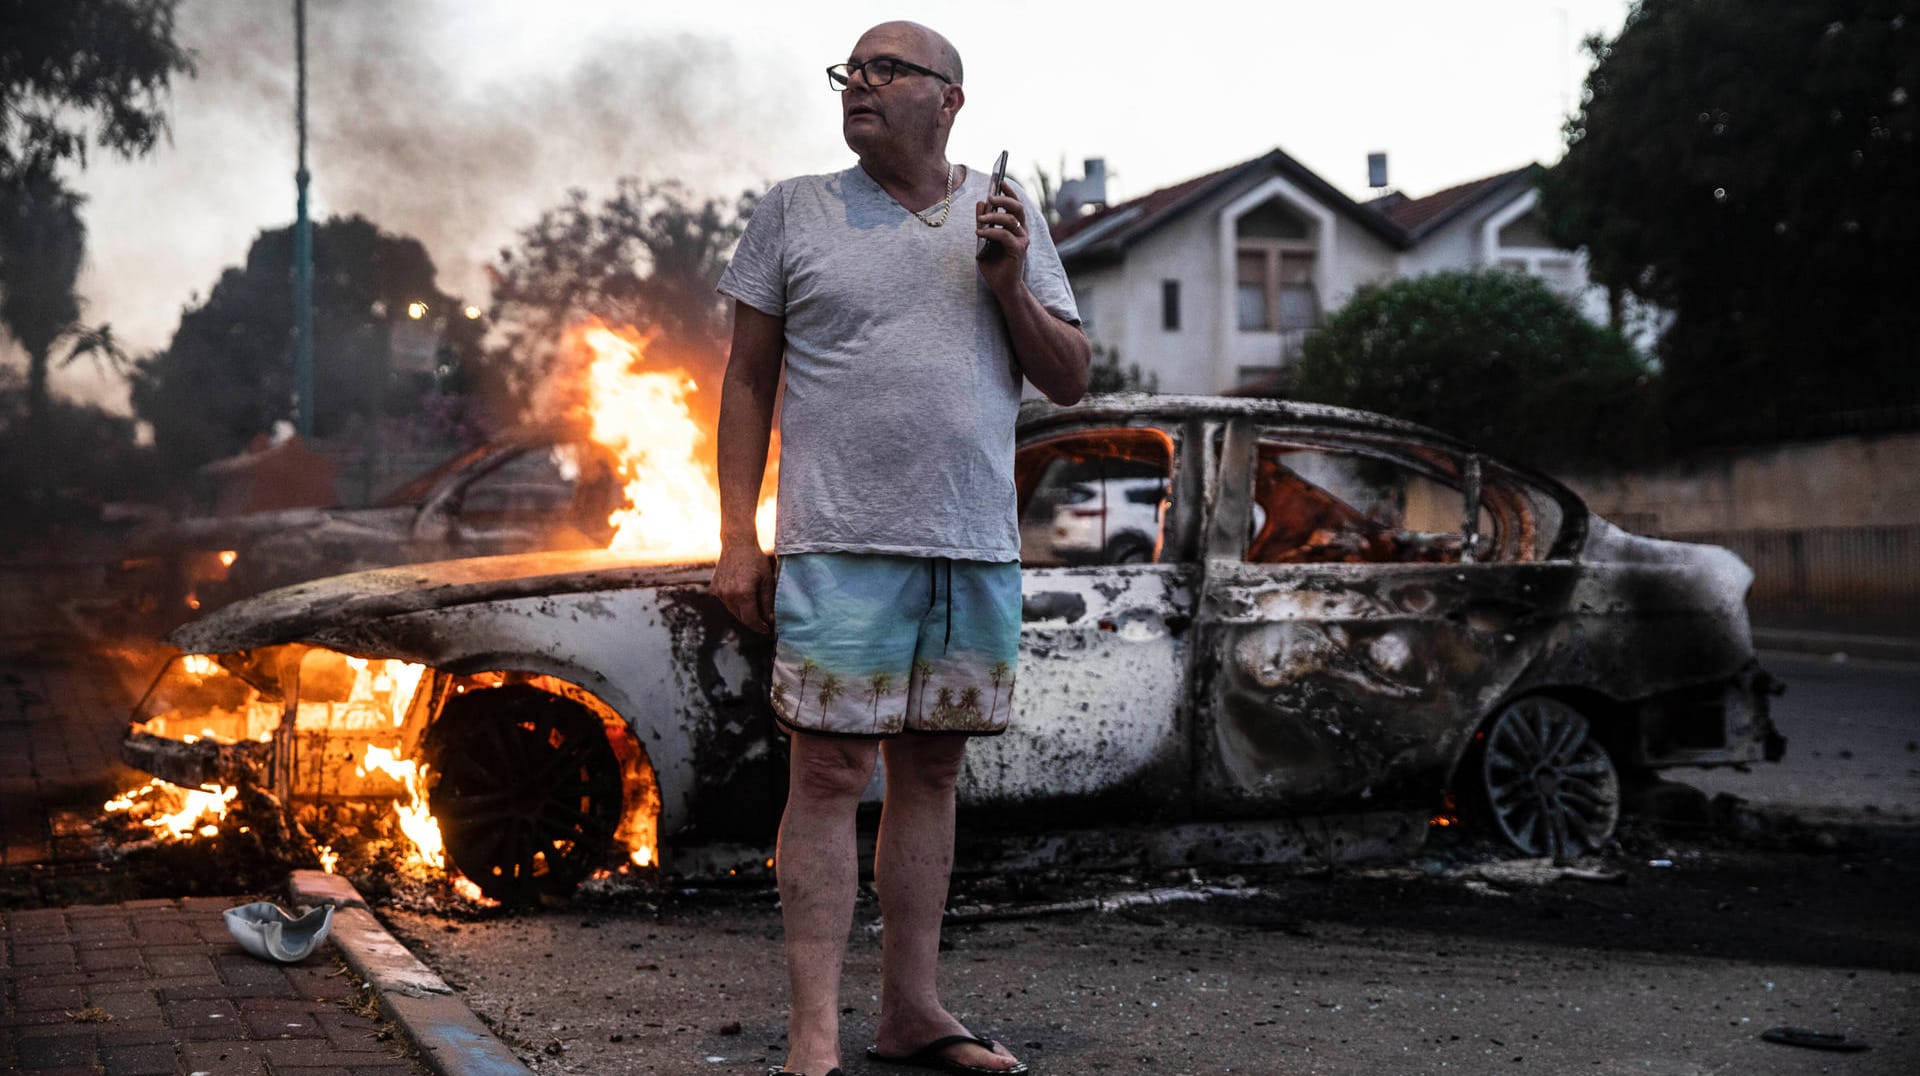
{"x": 158, "y": 988}
{"x": 145, "y": 988}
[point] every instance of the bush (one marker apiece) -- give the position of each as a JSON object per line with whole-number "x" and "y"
{"x": 1494, "y": 357}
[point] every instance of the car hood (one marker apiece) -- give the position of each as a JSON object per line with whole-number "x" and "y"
{"x": 290, "y": 613}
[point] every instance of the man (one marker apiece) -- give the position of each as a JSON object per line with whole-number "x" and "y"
{"x": 896, "y": 610}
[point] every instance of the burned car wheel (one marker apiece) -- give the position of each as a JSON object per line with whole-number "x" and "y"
{"x": 1543, "y": 781}
{"x": 528, "y": 794}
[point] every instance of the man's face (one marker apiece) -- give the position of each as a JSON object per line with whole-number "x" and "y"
{"x": 903, "y": 115}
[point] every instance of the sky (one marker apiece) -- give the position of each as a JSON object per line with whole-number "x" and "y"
{"x": 459, "y": 121}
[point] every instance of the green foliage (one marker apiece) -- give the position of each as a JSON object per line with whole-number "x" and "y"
{"x": 1107, "y": 375}
{"x": 648, "y": 256}
{"x": 81, "y": 458}
{"x": 67, "y": 63}
{"x": 1493, "y": 357}
{"x": 42, "y": 243}
{"x": 228, "y": 373}
{"x": 1751, "y": 166}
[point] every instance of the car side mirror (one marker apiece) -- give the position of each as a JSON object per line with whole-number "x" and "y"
{"x": 1470, "y": 518}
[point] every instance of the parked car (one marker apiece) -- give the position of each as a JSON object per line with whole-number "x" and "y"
{"x": 1344, "y": 618}
{"x": 527, "y": 490}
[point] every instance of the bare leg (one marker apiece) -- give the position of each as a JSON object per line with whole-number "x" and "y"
{"x": 819, "y": 871}
{"x": 911, "y": 869}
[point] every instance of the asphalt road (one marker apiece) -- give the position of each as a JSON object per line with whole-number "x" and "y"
{"x": 1853, "y": 739}
{"x": 1800, "y": 916}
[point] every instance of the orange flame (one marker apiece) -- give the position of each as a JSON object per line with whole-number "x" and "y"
{"x": 173, "y": 812}
{"x": 416, "y": 821}
{"x": 672, "y": 494}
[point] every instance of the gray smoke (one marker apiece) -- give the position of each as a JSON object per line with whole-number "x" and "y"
{"x": 403, "y": 130}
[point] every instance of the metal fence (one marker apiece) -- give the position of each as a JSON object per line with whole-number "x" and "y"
{"x": 1872, "y": 571}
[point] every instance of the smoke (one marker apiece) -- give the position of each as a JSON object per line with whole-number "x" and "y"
{"x": 417, "y": 121}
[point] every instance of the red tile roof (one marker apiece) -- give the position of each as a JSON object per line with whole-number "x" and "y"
{"x": 1396, "y": 218}
{"x": 1420, "y": 215}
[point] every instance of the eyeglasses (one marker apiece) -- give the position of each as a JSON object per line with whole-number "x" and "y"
{"x": 878, "y": 72}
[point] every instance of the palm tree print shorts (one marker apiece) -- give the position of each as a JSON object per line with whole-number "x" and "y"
{"x": 874, "y": 645}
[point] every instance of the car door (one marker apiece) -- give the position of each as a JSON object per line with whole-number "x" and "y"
{"x": 1108, "y": 593}
{"x": 1355, "y": 624}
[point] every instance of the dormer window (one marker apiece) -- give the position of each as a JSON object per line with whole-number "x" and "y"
{"x": 1274, "y": 259}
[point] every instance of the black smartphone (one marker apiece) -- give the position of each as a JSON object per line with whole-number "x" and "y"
{"x": 996, "y": 184}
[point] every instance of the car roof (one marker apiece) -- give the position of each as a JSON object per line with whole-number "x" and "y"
{"x": 1037, "y": 415}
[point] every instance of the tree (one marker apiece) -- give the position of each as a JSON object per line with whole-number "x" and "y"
{"x": 1494, "y": 357}
{"x": 648, "y": 256}
{"x": 228, "y": 372}
{"x": 63, "y": 65}
{"x": 1749, "y": 165}
{"x": 42, "y": 243}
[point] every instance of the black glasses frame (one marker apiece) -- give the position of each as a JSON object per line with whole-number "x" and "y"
{"x": 840, "y": 76}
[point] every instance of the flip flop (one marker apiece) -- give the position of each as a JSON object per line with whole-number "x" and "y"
{"x": 784, "y": 1072}
{"x": 1813, "y": 1040}
{"x": 931, "y": 1056}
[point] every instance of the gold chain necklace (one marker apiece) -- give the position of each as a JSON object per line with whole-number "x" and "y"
{"x": 946, "y": 205}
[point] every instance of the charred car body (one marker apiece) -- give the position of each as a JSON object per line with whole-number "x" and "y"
{"x": 1343, "y": 622}
{"x": 526, "y": 490}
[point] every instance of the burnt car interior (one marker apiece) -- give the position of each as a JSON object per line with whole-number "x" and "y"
{"x": 1094, "y": 497}
{"x": 1334, "y": 503}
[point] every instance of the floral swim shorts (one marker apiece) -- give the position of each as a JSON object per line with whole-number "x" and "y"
{"x": 874, "y": 645}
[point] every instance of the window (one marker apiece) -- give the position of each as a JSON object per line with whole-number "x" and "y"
{"x": 1321, "y": 505}
{"x": 1274, "y": 271}
{"x": 1354, "y": 504}
{"x": 1094, "y": 497}
{"x": 1170, "y": 305}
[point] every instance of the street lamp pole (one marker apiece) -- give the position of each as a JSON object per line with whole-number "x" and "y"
{"x": 302, "y": 241}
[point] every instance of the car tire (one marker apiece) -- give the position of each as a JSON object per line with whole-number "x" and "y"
{"x": 1536, "y": 770}
{"x": 527, "y": 790}
{"x": 1130, "y": 548}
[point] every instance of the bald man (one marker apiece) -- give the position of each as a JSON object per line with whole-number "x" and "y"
{"x": 904, "y": 336}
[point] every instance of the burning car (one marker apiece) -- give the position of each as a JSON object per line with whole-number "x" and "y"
{"x": 533, "y": 488}
{"x": 1340, "y": 625}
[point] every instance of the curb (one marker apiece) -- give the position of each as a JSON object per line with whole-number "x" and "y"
{"x": 1885, "y": 647}
{"x": 451, "y": 1040}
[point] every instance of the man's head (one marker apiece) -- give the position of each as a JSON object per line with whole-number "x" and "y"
{"x": 910, "y": 117}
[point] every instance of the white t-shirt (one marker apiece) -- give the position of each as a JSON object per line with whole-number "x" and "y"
{"x": 896, "y": 435}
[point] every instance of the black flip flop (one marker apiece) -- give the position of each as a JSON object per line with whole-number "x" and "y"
{"x": 931, "y": 1056}
{"x": 1813, "y": 1040}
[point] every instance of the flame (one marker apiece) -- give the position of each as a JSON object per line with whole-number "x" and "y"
{"x": 328, "y": 858}
{"x": 416, "y": 821}
{"x": 173, "y": 812}
{"x": 643, "y": 856}
{"x": 227, "y": 557}
{"x": 672, "y": 506}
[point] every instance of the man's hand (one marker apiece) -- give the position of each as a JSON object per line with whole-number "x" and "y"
{"x": 743, "y": 581}
{"x": 1002, "y": 221}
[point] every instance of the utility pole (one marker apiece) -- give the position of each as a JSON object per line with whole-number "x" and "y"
{"x": 302, "y": 241}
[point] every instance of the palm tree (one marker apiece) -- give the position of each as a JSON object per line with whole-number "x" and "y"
{"x": 877, "y": 685}
{"x": 779, "y": 697}
{"x": 807, "y": 668}
{"x": 943, "y": 707}
{"x": 42, "y": 243}
{"x": 922, "y": 668}
{"x": 999, "y": 673}
{"x": 829, "y": 690}
{"x": 970, "y": 703}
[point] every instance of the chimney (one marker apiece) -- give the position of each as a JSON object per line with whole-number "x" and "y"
{"x": 1089, "y": 190}
{"x": 1377, "y": 170}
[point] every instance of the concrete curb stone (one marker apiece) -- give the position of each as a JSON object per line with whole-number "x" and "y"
{"x": 451, "y": 1040}
{"x": 1882, "y": 647}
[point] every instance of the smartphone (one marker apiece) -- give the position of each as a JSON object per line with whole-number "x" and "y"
{"x": 996, "y": 184}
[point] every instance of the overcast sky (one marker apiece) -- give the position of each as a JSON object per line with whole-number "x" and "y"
{"x": 458, "y": 121}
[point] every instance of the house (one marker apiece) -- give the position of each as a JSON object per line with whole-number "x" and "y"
{"x": 1214, "y": 284}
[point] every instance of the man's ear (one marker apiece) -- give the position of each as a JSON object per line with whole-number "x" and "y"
{"x": 952, "y": 97}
